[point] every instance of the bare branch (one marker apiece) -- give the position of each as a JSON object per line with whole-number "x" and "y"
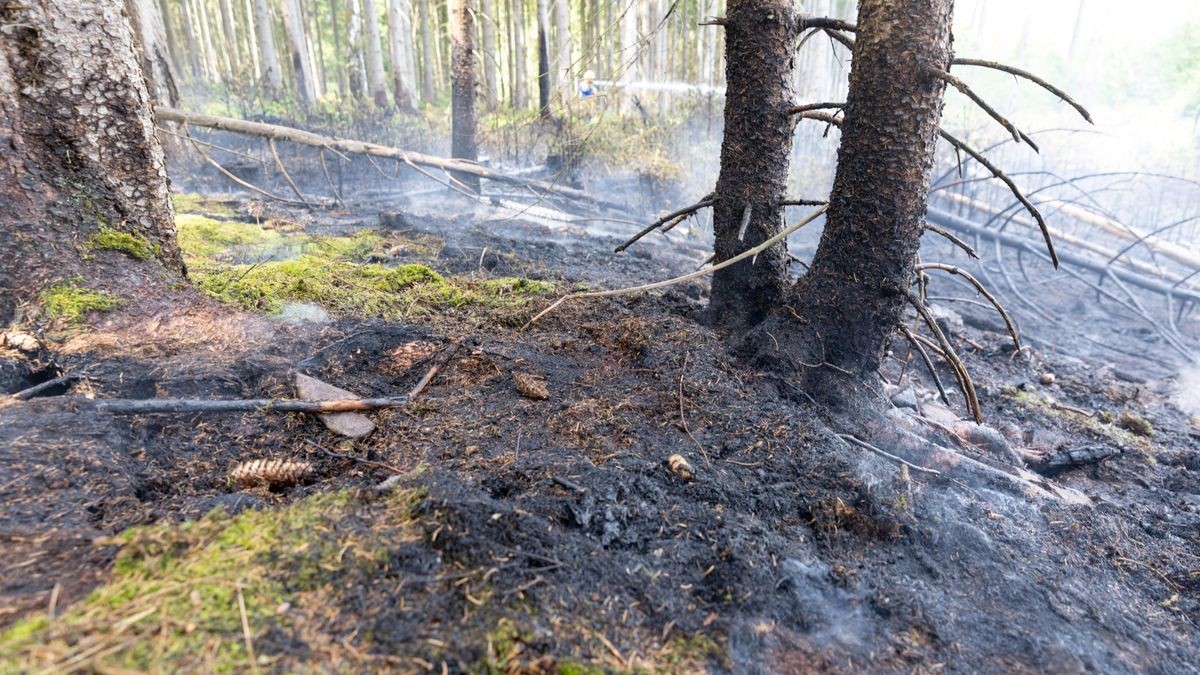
{"x": 1037, "y": 215}
{"x": 332, "y": 187}
{"x": 952, "y": 358}
{"x": 953, "y": 239}
{"x": 846, "y": 40}
{"x": 1012, "y": 329}
{"x": 920, "y": 349}
{"x": 279, "y": 165}
{"x": 225, "y": 172}
{"x": 1032, "y": 78}
{"x": 887, "y": 455}
{"x": 829, "y": 23}
{"x": 958, "y": 84}
{"x": 703, "y": 204}
{"x": 826, "y": 105}
{"x": 801, "y": 202}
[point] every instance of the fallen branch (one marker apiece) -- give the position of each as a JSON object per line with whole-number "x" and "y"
{"x": 1032, "y": 78}
{"x": 687, "y": 210}
{"x": 440, "y": 363}
{"x": 26, "y": 394}
{"x": 920, "y": 349}
{"x": 686, "y": 277}
{"x": 341, "y": 147}
{"x": 283, "y": 171}
{"x": 888, "y": 456}
{"x": 126, "y": 406}
{"x": 352, "y": 458}
{"x": 958, "y": 84}
{"x": 1012, "y": 329}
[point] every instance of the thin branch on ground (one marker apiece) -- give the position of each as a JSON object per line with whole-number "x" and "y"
{"x": 36, "y": 389}
{"x": 1012, "y": 329}
{"x": 283, "y": 171}
{"x": 952, "y": 358}
{"x": 687, "y": 210}
{"x": 332, "y": 188}
{"x": 437, "y": 366}
{"x": 920, "y": 349}
{"x": 958, "y": 84}
{"x": 338, "y": 455}
{"x": 1029, "y": 76}
{"x": 887, "y": 455}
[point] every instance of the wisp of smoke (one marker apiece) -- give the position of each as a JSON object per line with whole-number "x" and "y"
{"x": 1187, "y": 393}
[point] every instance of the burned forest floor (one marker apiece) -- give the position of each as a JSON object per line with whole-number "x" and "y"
{"x": 610, "y": 489}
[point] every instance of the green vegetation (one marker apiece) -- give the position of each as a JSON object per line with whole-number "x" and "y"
{"x": 133, "y": 245}
{"x": 191, "y": 202}
{"x": 72, "y": 302}
{"x": 200, "y": 236}
{"x": 175, "y": 600}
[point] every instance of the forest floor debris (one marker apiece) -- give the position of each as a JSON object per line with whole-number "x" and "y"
{"x": 494, "y": 532}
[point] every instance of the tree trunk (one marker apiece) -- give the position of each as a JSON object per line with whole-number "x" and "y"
{"x": 164, "y": 9}
{"x": 272, "y": 74}
{"x": 249, "y": 33}
{"x": 340, "y": 66}
{"x": 71, "y": 167}
{"x": 428, "y": 55}
{"x": 519, "y": 54}
{"x": 760, "y": 36}
{"x": 232, "y": 44}
{"x": 491, "y": 74}
{"x": 400, "y": 37}
{"x": 628, "y": 65}
{"x": 462, "y": 40}
{"x": 853, "y": 296}
{"x": 543, "y": 26}
{"x": 375, "y": 82}
{"x": 562, "y": 49}
{"x": 193, "y": 47}
{"x": 354, "y": 52}
{"x": 150, "y": 34}
{"x": 302, "y": 65}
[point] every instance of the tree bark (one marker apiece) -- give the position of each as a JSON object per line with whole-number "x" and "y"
{"x": 543, "y": 28}
{"x": 354, "y": 52}
{"x": 150, "y": 34}
{"x": 375, "y": 79}
{"x": 232, "y": 46}
{"x": 403, "y": 72}
{"x": 189, "y": 34}
{"x": 489, "y": 55}
{"x": 759, "y": 35}
{"x": 519, "y": 54}
{"x": 302, "y": 65}
{"x": 272, "y": 74}
{"x": 853, "y": 296}
{"x": 73, "y": 165}
{"x": 428, "y": 54}
{"x": 562, "y": 49}
{"x": 462, "y": 40}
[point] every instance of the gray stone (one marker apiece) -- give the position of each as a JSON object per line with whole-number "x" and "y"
{"x": 351, "y": 424}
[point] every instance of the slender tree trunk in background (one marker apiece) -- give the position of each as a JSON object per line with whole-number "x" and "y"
{"x": 215, "y": 62}
{"x": 760, "y": 36}
{"x": 428, "y": 57}
{"x": 272, "y": 73}
{"x": 853, "y": 297}
{"x": 543, "y": 27}
{"x": 249, "y": 34}
{"x": 462, "y": 41}
{"x": 520, "y": 94}
{"x": 231, "y": 45}
{"x": 70, "y": 166}
{"x": 189, "y": 34}
{"x": 354, "y": 52}
{"x": 340, "y": 65}
{"x": 400, "y": 38}
{"x": 628, "y": 66}
{"x": 150, "y": 36}
{"x": 302, "y": 66}
{"x": 562, "y": 49}
{"x": 375, "y": 78}
{"x": 489, "y": 55}
{"x": 164, "y": 8}
{"x": 317, "y": 45}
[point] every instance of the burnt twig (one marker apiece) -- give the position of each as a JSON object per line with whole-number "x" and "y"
{"x": 440, "y": 363}
{"x": 888, "y": 456}
{"x": 1032, "y": 78}
{"x": 958, "y": 84}
{"x": 920, "y": 349}
{"x": 687, "y": 210}
{"x": 1012, "y": 329}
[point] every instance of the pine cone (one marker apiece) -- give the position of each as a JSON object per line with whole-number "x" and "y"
{"x": 271, "y": 473}
{"x": 530, "y": 386}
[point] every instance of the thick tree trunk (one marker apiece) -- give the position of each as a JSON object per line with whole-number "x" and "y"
{"x": 760, "y": 36}
{"x": 853, "y": 296}
{"x": 375, "y": 82}
{"x": 403, "y": 72}
{"x": 463, "y": 64}
{"x": 272, "y": 74}
{"x": 150, "y": 33}
{"x": 302, "y": 65}
{"x": 71, "y": 166}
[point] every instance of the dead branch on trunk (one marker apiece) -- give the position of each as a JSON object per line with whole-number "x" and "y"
{"x": 958, "y": 84}
{"x": 920, "y": 349}
{"x": 1066, "y": 98}
{"x": 685, "y": 211}
{"x": 1033, "y": 210}
{"x": 828, "y": 23}
{"x": 686, "y": 277}
{"x": 1012, "y": 329}
{"x": 826, "y": 105}
{"x": 845, "y": 40}
{"x": 801, "y": 202}
{"x": 342, "y": 147}
{"x": 956, "y": 364}
{"x": 970, "y": 251}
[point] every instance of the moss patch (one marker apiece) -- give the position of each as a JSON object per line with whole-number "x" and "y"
{"x": 71, "y": 302}
{"x": 175, "y": 597}
{"x": 133, "y": 245}
{"x": 200, "y": 236}
{"x": 191, "y": 202}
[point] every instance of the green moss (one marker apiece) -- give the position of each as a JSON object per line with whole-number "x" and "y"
{"x": 173, "y": 599}
{"x": 71, "y": 302}
{"x": 133, "y": 245}
{"x": 200, "y": 236}
{"x": 1135, "y": 424}
{"x": 516, "y": 286}
{"x": 193, "y": 203}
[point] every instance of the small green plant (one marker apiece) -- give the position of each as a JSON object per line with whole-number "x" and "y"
{"x": 72, "y": 302}
{"x": 133, "y": 245}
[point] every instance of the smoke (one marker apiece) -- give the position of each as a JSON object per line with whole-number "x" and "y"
{"x": 1187, "y": 391}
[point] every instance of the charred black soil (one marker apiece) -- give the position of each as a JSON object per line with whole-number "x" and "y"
{"x": 479, "y": 529}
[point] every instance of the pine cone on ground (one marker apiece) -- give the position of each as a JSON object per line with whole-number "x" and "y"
{"x": 271, "y": 473}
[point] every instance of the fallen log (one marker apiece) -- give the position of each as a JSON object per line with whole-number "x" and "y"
{"x": 1156, "y": 284}
{"x": 349, "y": 146}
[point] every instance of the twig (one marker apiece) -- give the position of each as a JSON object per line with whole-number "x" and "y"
{"x": 1012, "y": 329}
{"x": 801, "y": 202}
{"x": 953, "y": 239}
{"x": 246, "y": 631}
{"x": 845, "y": 40}
{"x": 239, "y": 181}
{"x": 704, "y": 203}
{"x": 1037, "y": 215}
{"x": 937, "y": 381}
{"x": 1032, "y": 78}
{"x": 958, "y": 84}
{"x": 826, "y": 105}
{"x": 828, "y": 23}
{"x": 127, "y": 406}
{"x": 952, "y": 358}
{"x": 283, "y": 171}
{"x": 569, "y": 484}
{"x": 887, "y": 455}
{"x": 440, "y": 363}
{"x": 329, "y": 180}
{"x": 686, "y": 277}
{"x": 352, "y": 458}
{"x": 36, "y": 389}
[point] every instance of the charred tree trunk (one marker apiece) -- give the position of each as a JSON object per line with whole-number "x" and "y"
{"x": 852, "y": 298}
{"x": 760, "y": 35}
{"x": 72, "y": 167}
{"x": 463, "y": 65}
{"x": 543, "y": 37}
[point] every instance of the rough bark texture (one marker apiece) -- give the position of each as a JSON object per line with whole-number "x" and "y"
{"x": 853, "y": 296}
{"x": 462, "y": 40}
{"x": 79, "y": 151}
{"x": 760, "y": 35}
